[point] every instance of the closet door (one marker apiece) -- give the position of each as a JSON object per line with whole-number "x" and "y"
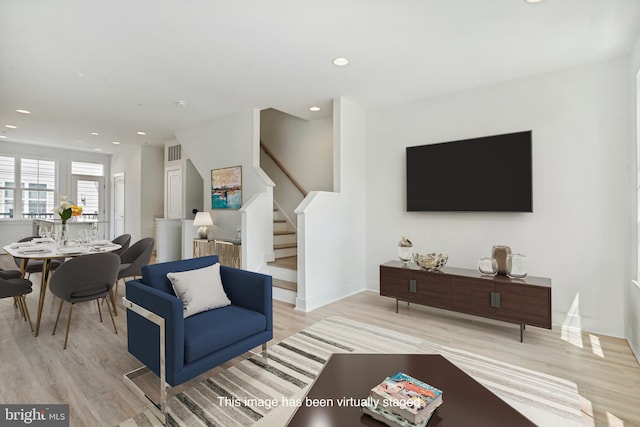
{"x": 174, "y": 193}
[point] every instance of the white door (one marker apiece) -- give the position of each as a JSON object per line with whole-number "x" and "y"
{"x": 174, "y": 193}
{"x": 118, "y": 204}
{"x": 88, "y": 192}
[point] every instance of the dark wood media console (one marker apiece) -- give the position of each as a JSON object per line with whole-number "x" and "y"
{"x": 524, "y": 301}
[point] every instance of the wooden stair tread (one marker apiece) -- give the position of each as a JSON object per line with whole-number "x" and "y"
{"x": 289, "y": 262}
{"x": 279, "y": 220}
{"x": 283, "y": 284}
{"x": 285, "y": 245}
{"x": 280, "y": 233}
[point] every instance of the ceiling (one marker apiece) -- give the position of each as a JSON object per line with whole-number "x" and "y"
{"x": 120, "y": 66}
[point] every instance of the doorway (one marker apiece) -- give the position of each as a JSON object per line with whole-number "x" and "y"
{"x": 118, "y": 204}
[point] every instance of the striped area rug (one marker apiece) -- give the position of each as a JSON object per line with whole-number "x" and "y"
{"x": 251, "y": 393}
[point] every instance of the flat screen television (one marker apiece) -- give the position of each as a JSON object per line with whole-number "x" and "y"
{"x": 487, "y": 174}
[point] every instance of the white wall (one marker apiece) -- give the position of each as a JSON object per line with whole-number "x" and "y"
{"x": 151, "y": 192}
{"x": 331, "y": 226}
{"x": 286, "y": 196}
{"x": 304, "y": 147}
{"x": 232, "y": 141}
{"x": 129, "y": 163}
{"x": 632, "y": 290}
{"x": 194, "y": 187}
{"x": 578, "y": 232}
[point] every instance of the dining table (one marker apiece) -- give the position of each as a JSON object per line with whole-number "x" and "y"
{"x": 46, "y": 250}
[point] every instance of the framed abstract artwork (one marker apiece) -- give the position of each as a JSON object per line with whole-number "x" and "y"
{"x": 226, "y": 188}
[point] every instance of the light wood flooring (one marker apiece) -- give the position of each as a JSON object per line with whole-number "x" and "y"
{"x": 88, "y": 375}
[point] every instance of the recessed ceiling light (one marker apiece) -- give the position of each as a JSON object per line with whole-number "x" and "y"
{"x": 23, "y": 111}
{"x": 11, "y": 126}
{"x": 98, "y": 149}
{"x": 115, "y": 142}
{"x": 181, "y": 103}
{"x": 141, "y": 133}
{"x": 340, "y": 61}
{"x": 95, "y": 133}
{"x": 3, "y": 136}
{"x": 533, "y": 1}
{"x": 314, "y": 108}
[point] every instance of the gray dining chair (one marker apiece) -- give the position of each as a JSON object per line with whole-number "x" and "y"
{"x": 17, "y": 288}
{"x": 124, "y": 240}
{"x": 14, "y": 274}
{"x": 85, "y": 278}
{"x": 35, "y": 265}
{"x": 9, "y": 274}
{"x": 133, "y": 259}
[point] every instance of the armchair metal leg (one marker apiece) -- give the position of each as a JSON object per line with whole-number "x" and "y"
{"x": 164, "y": 386}
{"x": 265, "y": 355}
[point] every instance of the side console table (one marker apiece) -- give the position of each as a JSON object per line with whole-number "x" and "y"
{"x": 524, "y": 301}
{"x": 229, "y": 251}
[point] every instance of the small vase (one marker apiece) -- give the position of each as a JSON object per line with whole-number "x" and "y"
{"x": 488, "y": 266}
{"x": 405, "y": 250}
{"x": 64, "y": 235}
{"x": 516, "y": 266}
{"x": 499, "y": 253}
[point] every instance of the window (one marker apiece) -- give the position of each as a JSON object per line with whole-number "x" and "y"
{"x": 91, "y": 169}
{"x": 38, "y": 185}
{"x": 88, "y": 184}
{"x": 30, "y": 187}
{"x": 7, "y": 186}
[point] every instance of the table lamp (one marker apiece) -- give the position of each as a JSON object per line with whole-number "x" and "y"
{"x": 202, "y": 219}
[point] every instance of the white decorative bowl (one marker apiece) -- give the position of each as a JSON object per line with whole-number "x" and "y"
{"x": 432, "y": 261}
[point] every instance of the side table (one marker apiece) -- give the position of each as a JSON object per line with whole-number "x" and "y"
{"x": 202, "y": 247}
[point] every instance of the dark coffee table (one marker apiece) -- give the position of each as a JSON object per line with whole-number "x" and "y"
{"x": 466, "y": 402}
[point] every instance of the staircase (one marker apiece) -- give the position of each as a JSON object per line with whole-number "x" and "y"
{"x": 284, "y": 269}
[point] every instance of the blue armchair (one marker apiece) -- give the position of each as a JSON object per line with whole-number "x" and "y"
{"x": 205, "y": 340}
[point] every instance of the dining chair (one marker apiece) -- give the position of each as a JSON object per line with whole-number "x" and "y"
{"x": 17, "y": 288}
{"x": 35, "y": 265}
{"x": 123, "y": 240}
{"x": 85, "y": 278}
{"x": 227, "y": 253}
{"x": 14, "y": 274}
{"x": 9, "y": 274}
{"x": 134, "y": 258}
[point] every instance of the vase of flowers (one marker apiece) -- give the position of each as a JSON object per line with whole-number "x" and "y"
{"x": 66, "y": 210}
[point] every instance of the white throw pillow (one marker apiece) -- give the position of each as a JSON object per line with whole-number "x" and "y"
{"x": 200, "y": 290}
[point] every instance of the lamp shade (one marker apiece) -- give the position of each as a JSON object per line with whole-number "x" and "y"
{"x": 202, "y": 219}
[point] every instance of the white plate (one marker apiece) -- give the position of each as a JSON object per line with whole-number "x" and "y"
{"x": 42, "y": 240}
{"x": 72, "y": 251}
{"x": 34, "y": 251}
{"x": 21, "y": 245}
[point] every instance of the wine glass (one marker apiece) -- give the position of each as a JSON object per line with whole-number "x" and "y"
{"x": 93, "y": 234}
{"x": 83, "y": 237}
